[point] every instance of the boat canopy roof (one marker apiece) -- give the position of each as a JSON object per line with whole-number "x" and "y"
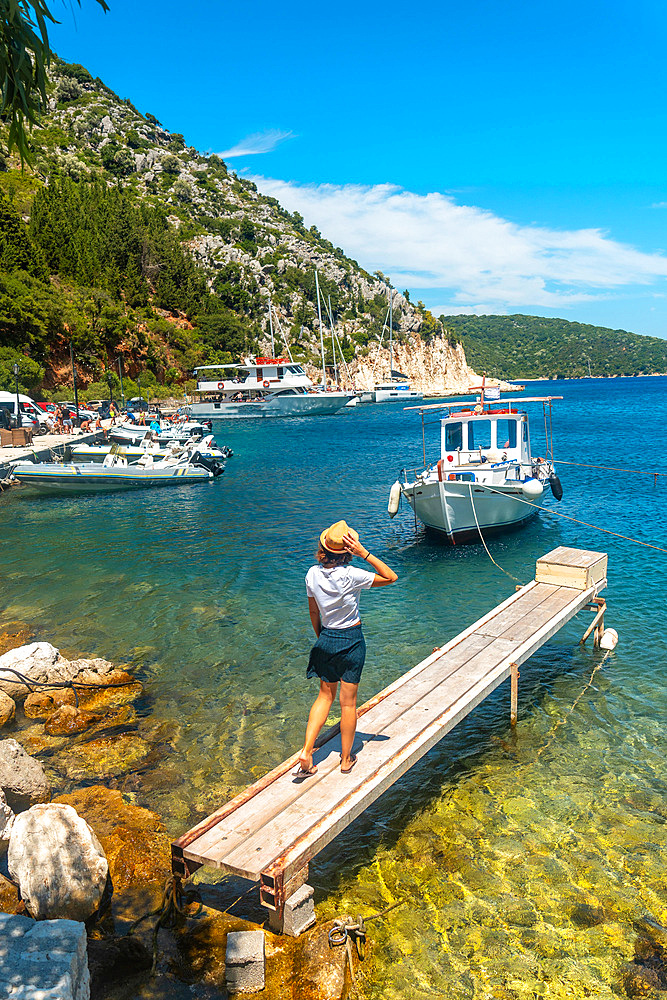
{"x": 211, "y": 368}
{"x": 487, "y": 403}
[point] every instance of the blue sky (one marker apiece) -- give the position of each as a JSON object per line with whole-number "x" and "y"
{"x": 490, "y": 156}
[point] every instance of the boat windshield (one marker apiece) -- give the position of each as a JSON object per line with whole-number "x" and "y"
{"x": 479, "y": 434}
{"x": 454, "y": 436}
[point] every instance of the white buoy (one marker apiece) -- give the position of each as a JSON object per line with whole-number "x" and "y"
{"x": 609, "y": 639}
{"x": 532, "y": 488}
{"x": 394, "y": 499}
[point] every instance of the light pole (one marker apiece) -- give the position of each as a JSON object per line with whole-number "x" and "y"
{"x": 120, "y": 372}
{"x": 76, "y": 391}
{"x": 15, "y": 369}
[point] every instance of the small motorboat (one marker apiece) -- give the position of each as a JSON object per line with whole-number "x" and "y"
{"x": 134, "y": 434}
{"x": 114, "y": 473}
{"x": 485, "y": 479}
{"x": 150, "y": 445}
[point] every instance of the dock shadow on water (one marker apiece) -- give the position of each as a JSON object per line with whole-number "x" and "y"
{"x": 531, "y": 862}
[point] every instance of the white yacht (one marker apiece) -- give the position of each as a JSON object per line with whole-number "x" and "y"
{"x": 485, "y": 479}
{"x": 260, "y": 387}
{"x": 398, "y": 387}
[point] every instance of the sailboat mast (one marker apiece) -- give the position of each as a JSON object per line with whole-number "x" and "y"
{"x": 333, "y": 345}
{"x": 319, "y": 313}
{"x": 273, "y": 347}
{"x": 391, "y": 335}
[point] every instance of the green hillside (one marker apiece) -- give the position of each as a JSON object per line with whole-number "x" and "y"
{"x": 536, "y": 347}
{"x": 128, "y": 243}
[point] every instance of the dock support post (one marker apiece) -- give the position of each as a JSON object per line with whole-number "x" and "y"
{"x": 514, "y": 692}
{"x": 597, "y": 625}
{"x": 289, "y": 902}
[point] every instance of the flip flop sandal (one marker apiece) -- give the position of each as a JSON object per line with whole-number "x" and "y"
{"x": 304, "y": 772}
{"x": 353, "y": 761}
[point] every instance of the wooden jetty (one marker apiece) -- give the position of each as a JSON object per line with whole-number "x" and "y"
{"x": 273, "y": 829}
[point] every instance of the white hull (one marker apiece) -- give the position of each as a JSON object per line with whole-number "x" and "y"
{"x": 97, "y": 453}
{"x": 305, "y": 405}
{"x": 447, "y": 507}
{"x": 90, "y": 478}
{"x": 398, "y": 394}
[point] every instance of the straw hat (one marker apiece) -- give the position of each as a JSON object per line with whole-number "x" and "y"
{"x": 331, "y": 538}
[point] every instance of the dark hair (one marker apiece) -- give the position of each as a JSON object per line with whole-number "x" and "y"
{"x": 329, "y": 559}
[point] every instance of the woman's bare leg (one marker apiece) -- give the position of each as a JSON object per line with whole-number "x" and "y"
{"x": 348, "y": 722}
{"x": 316, "y": 719}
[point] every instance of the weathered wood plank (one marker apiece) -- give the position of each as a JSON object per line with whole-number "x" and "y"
{"x": 497, "y": 625}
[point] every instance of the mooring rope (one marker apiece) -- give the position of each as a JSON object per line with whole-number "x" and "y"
{"x": 561, "y": 722}
{"x": 472, "y": 503}
{"x": 568, "y": 517}
{"x": 609, "y": 468}
{"x": 345, "y": 930}
{"x": 31, "y": 683}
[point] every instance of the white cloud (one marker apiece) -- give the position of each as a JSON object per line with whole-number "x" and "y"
{"x": 478, "y": 260}
{"x": 259, "y": 142}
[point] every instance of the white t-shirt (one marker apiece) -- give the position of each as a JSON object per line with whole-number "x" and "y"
{"x": 337, "y": 591}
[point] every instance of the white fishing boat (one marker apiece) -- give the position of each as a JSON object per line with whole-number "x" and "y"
{"x": 115, "y": 473}
{"x": 485, "y": 479}
{"x": 150, "y": 445}
{"x": 260, "y": 387}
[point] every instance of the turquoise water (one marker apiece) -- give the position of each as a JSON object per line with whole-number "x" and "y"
{"x": 496, "y": 839}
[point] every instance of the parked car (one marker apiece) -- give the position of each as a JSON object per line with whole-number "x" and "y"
{"x": 31, "y": 416}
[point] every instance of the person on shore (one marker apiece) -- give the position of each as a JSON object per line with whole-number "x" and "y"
{"x": 59, "y": 420}
{"x": 333, "y": 587}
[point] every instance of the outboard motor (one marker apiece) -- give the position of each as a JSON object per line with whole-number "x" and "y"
{"x": 217, "y": 468}
{"x": 556, "y": 486}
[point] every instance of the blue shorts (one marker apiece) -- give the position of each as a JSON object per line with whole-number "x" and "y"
{"x": 338, "y": 655}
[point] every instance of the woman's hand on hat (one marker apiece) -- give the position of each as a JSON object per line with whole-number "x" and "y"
{"x": 353, "y": 545}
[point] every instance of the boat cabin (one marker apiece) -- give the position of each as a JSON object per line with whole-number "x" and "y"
{"x": 469, "y": 437}
{"x": 255, "y": 376}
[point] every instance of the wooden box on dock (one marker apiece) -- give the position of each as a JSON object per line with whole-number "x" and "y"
{"x": 21, "y": 436}
{"x": 576, "y": 568}
{"x": 5, "y": 438}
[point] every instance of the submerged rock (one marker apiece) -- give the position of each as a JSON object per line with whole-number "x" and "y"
{"x": 22, "y": 778}
{"x": 58, "y": 863}
{"x": 134, "y": 839}
{"x": 42, "y": 704}
{"x": 116, "y": 958}
{"x": 68, "y": 720}
{"x": 13, "y": 634}
{"x": 7, "y": 708}
{"x": 106, "y": 757}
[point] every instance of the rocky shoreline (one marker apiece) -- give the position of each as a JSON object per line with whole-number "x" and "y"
{"x": 80, "y": 850}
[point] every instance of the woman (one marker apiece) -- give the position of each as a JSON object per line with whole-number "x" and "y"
{"x": 333, "y": 588}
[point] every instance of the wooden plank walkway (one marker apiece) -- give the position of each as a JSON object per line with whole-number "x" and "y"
{"x": 270, "y": 831}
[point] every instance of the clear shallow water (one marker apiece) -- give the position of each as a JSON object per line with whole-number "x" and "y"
{"x": 497, "y": 842}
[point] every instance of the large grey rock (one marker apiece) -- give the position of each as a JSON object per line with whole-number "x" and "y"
{"x": 37, "y": 661}
{"x": 22, "y": 778}
{"x": 45, "y": 961}
{"x": 58, "y": 863}
{"x": 6, "y": 823}
{"x": 42, "y": 663}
